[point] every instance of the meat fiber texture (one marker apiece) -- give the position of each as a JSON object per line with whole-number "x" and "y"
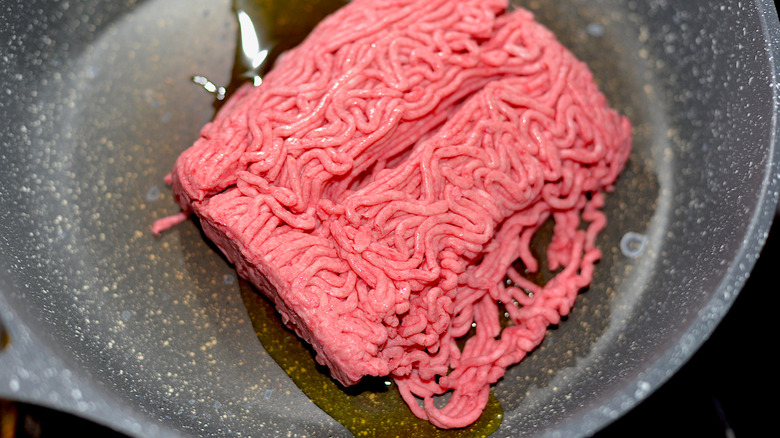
{"x": 382, "y": 180}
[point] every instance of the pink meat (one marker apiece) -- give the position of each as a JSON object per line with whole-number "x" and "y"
{"x": 382, "y": 180}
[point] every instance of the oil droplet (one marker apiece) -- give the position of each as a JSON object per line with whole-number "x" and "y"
{"x": 633, "y": 244}
{"x": 153, "y": 193}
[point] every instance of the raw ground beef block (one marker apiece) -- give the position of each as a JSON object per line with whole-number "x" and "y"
{"x": 379, "y": 184}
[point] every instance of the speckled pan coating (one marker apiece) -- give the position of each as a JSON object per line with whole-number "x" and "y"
{"x": 149, "y": 335}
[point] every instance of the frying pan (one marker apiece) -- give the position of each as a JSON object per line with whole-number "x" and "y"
{"x": 149, "y": 336}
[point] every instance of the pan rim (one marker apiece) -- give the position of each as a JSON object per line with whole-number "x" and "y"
{"x": 673, "y": 357}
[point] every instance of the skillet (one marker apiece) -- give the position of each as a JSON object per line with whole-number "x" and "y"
{"x": 149, "y": 336}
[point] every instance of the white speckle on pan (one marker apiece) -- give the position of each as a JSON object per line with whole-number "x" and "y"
{"x": 13, "y": 384}
{"x": 643, "y": 388}
{"x": 268, "y": 393}
{"x": 92, "y": 72}
{"x": 595, "y": 29}
{"x": 633, "y": 244}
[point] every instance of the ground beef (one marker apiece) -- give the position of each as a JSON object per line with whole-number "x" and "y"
{"x": 382, "y": 180}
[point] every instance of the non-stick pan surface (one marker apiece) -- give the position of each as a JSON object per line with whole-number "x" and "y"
{"x": 150, "y": 336}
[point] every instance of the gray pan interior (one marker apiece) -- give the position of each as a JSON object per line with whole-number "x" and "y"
{"x": 150, "y": 336}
